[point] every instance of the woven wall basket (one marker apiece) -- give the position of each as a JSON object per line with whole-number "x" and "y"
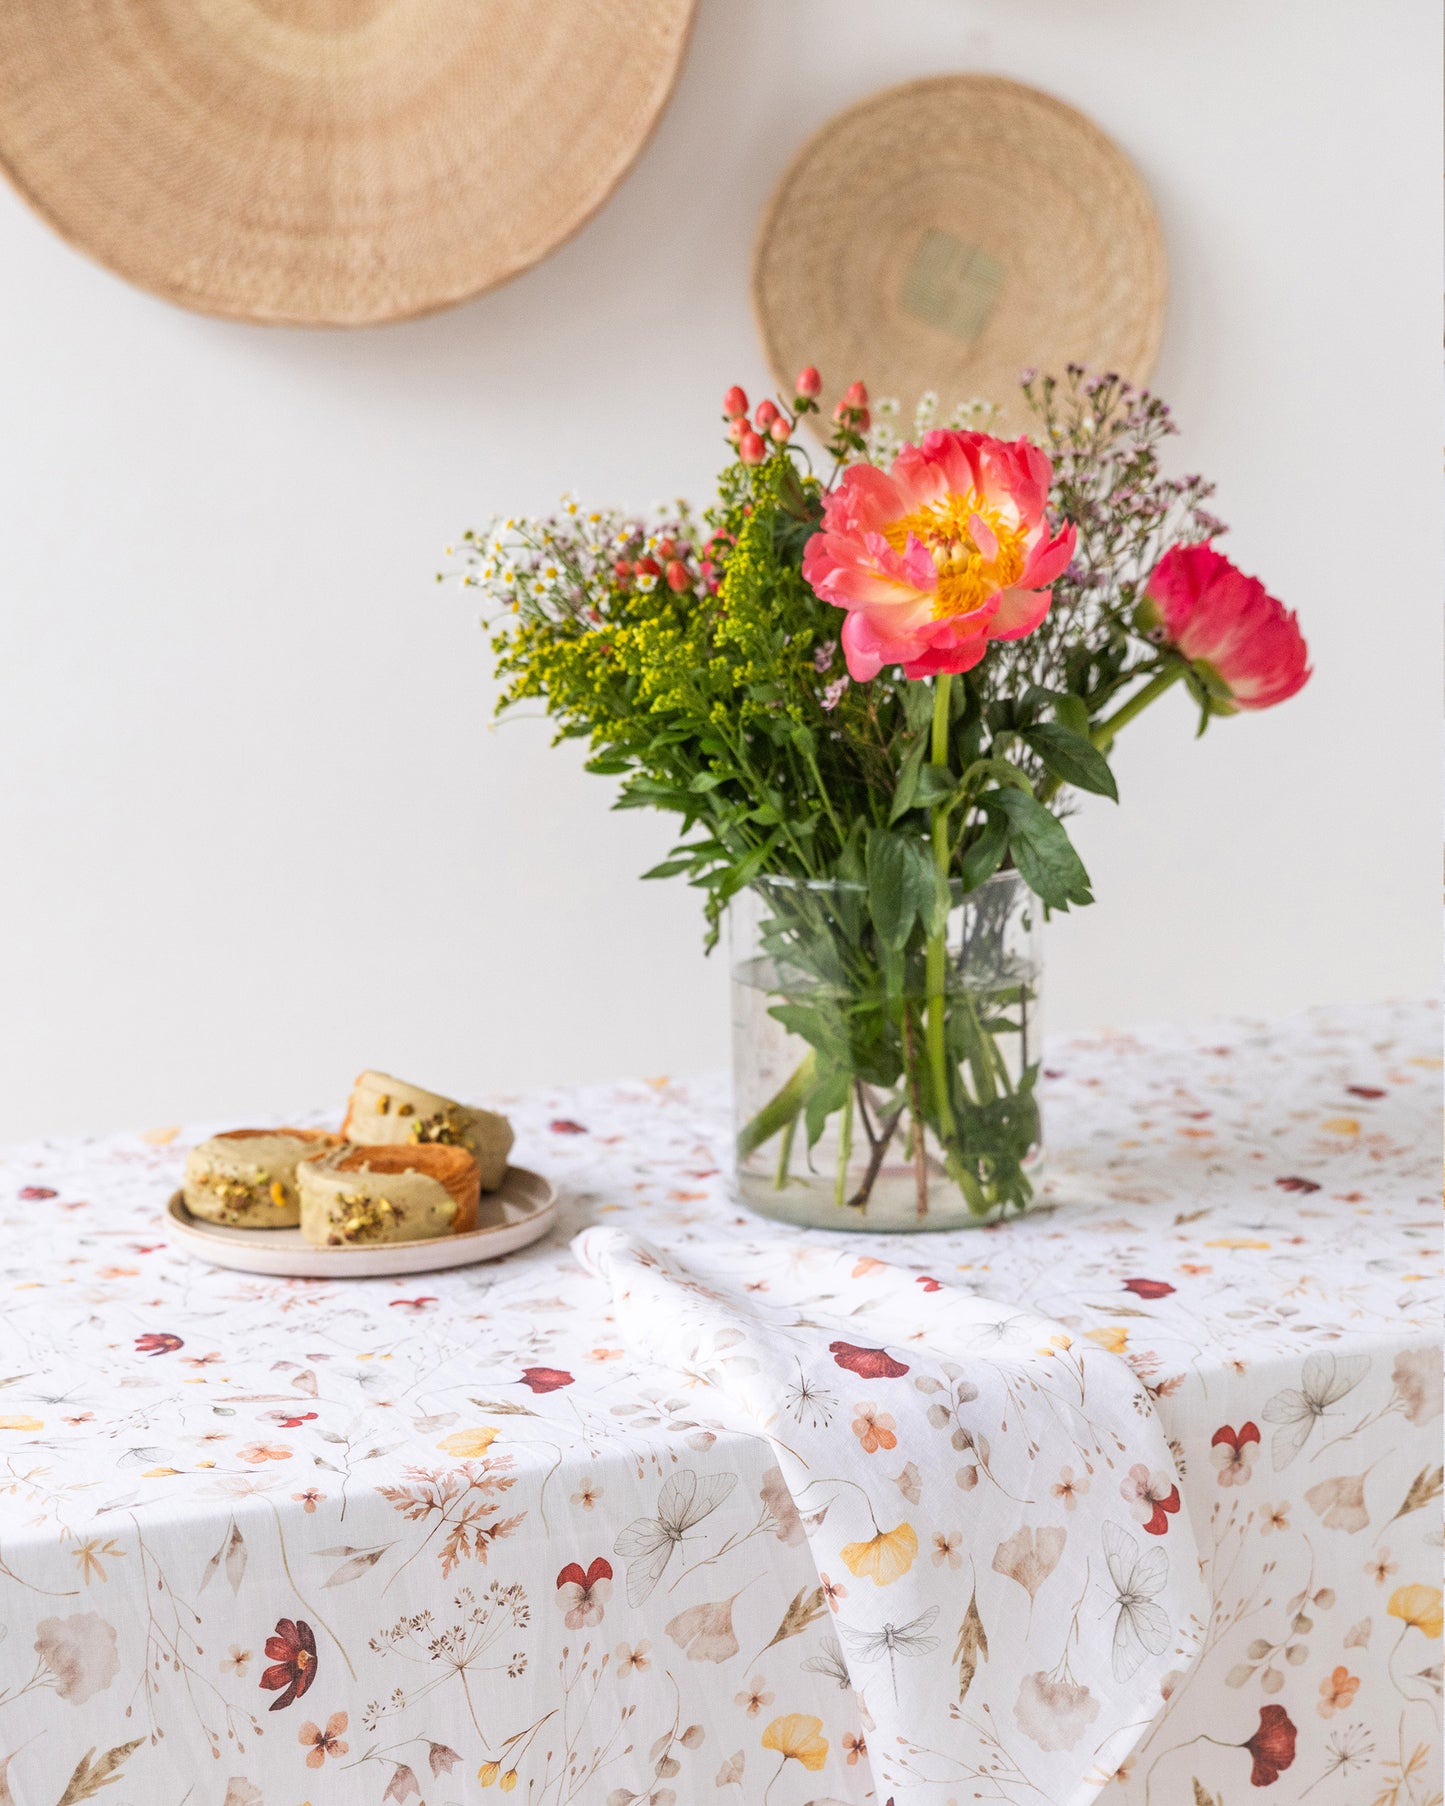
{"x": 952, "y": 232}
{"x": 327, "y": 162}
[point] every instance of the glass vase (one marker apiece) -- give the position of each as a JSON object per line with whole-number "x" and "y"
{"x": 878, "y": 1087}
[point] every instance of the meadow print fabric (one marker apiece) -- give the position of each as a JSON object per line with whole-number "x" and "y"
{"x": 631, "y": 1528}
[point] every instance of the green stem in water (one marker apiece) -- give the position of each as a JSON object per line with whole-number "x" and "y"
{"x": 845, "y": 1152}
{"x": 936, "y": 956}
{"x": 781, "y": 1108}
{"x": 785, "y": 1153}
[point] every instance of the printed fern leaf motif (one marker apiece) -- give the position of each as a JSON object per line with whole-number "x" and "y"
{"x": 972, "y": 1645}
{"x": 1424, "y": 1487}
{"x": 89, "y": 1777}
{"x": 805, "y": 1608}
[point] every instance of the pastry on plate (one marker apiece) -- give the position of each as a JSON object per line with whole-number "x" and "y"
{"x": 356, "y": 1196}
{"x": 246, "y": 1178}
{"x": 384, "y": 1110}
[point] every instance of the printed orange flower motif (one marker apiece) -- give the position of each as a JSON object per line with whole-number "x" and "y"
{"x": 854, "y": 1748}
{"x": 1380, "y": 1567}
{"x": 874, "y": 1429}
{"x": 831, "y": 1590}
{"x": 1272, "y": 1746}
{"x": 754, "y": 1696}
{"x": 324, "y": 1743}
{"x": 1418, "y": 1607}
{"x": 292, "y": 1650}
{"x": 1070, "y": 1487}
{"x": 158, "y": 1342}
{"x": 257, "y": 1452}
{"x": 947, "y": 1548}
{"x": 885, "y": 1557}
{"x": 1337, "y": 1692}
{"x": 796, "y": 1737}
{"x": 633, "y": 1661}
{"x": 309, "y": 1500}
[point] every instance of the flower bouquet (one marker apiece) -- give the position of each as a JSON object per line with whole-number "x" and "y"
{"x": 871, "y": 691}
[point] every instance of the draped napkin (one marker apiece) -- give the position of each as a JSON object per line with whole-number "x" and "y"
{"x": 990, "y": 1502}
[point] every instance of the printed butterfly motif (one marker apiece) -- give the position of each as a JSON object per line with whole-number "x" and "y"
{"x": 893, "y": 1640}
{"x": 647, "y": 1544}
{"x": 1142, "y": 1625}
{"x": 1327, "y": 1379}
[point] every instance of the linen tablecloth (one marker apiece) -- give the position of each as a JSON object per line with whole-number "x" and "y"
{"x": 268, "y": 1543}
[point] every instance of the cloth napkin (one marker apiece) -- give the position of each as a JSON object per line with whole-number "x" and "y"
{"x": 991, "y": 1504}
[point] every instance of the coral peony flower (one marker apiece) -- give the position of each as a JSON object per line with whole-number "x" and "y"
{"x": 946, "y": 551}
{"x": 797, "y": 1735}
{"x": 885, "y": 1557}
{"x": 1246, "y": 646}
{"x": 1272, "y": 1746}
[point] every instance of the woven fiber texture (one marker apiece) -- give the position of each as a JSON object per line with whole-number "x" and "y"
{"x": 327, "y": 162}
{"x": 948, "y": 234}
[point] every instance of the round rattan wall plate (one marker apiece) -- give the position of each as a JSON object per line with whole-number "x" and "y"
{"x": 327, "y": 162}
{"x": 949, "y": 234}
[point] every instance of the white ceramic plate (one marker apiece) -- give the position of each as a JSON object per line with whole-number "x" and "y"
{"x": 520, "y": 1211}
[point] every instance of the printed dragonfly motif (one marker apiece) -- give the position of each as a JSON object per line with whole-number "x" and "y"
{"x": 893, "y": 1640}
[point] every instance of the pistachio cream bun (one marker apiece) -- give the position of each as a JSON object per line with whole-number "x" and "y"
{"x": 246, "y": 1178}
{"x": 384, "y": 1110}
{"x": 354, "y": 1196}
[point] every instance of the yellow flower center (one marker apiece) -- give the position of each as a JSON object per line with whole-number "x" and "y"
{"x": 976, "y": 550}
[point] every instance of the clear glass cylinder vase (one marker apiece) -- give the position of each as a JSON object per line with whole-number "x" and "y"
{"x": 883, "y": 1087}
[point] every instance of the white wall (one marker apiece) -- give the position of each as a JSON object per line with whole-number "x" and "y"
{"x": 257, "y": 831}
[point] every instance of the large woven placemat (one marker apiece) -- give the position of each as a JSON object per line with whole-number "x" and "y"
{"x": 952, "y": 232}
{"x": 331, "y": 162}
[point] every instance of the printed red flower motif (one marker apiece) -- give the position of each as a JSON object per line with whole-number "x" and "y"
{"x": 1272, "y": 1746}
{"x": 545, "y": 1379}
{"x": 867, "y": 1363}
{"x": 157, "y": 1342}
{"x": 1294, "y": 1183}
{"x": 293, "y": 1661}
{"x": 564, "y": 1126}
{"x": 583, "y": 1594}
{"x": 1354, "y": 1091}
{"x": 32, "y": 1194}
{"x": 1148, "y": 1288}
{"x": 1151, "y": 1495}
{"x": 1233, "y": 1453}
{"x": 930, "y": 1285}
{"x": 289, "y": 1422}
{"x": 413, "y": 1304}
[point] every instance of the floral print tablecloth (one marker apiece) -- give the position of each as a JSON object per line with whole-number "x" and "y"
{"x": 336, "y": 1544}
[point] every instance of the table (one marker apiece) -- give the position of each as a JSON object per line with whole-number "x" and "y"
{"x": 284, "y": 1543}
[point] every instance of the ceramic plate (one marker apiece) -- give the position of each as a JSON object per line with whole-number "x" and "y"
{"x": 520, "y": 1211}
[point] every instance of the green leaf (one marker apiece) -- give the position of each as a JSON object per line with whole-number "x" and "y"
{"x": 828, "y": 1095}
{"x": 900, "y": 886}
{"x": 1041, "y": 849}
{"x": 705, "y": 781}
{"x": 1072, "y": 712}
{"x": 908, "y": 781}
{"x": 669, "y": 868}
{"x": 985, "y": 856}
{"x": 1072, "y": 757}
{"x": 935, "y": 785}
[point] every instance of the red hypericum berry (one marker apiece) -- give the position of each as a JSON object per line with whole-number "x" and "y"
{"x": 856, "y": 395}
{"x": 751, "y": 449}
{"x": 780, "y": 431}
{"x": 766, "y": 414}
{"x": 809, "y": 383}
{"x": 707, "y": 570}
{"x": 735, "y": 403}
{"x": 667, "y": 548}
{"x": 736, "y": 429}
{"x": 841, "y": 411}
{"x": 865, "y": 420}
{"x": 622, "y": 570}
{"x": 648, "y": 567}
{"x": 678, "y": 576}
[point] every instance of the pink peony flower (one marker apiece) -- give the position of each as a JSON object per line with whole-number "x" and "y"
{"x": 946, "y": 551}
{"x": 1249, "y": 646}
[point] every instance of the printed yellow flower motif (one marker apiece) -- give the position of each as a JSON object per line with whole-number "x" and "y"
{"x": 469, "y": 1444}
{"x": 1341, "y": 1125}
{"x": 1419, "y": 1606}
{"x": 797, "y": 1735}
{"x": 488, "y": 1772}
{"x": 883, "y": 1558}
{"x": 1112, "y": 1336}
{"x": 1236, "y": 1241}
{"x": 21, "y": 1423}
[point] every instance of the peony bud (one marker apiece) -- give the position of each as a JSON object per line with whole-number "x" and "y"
{"x": 735, "y": 403}
{"x": 751, "y": 449}
{"x": 809, "y": 383}
{"x": 856, "y": 395}
{"x": 679, "y": 577}
{"x": 766, "y": 414}
{"x": 780, "y": 431}
{"x": 622, "y": 570}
